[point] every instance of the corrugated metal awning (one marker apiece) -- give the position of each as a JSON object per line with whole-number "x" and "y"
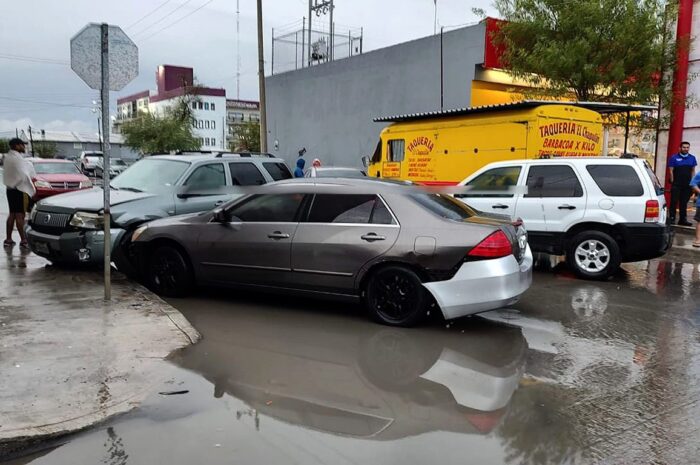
{"x": 600, "y": 107}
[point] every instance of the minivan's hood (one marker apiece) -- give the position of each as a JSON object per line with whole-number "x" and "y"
{"x": 91, "y": 199}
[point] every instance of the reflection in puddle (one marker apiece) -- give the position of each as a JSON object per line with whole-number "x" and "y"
{"x": 381, "y": 383}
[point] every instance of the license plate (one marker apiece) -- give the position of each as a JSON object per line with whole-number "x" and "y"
{"x": 41, "y": 247}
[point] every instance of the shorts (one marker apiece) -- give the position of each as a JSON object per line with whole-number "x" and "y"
{"x": 697, "y": 214}
{"x": 18, "y": 201}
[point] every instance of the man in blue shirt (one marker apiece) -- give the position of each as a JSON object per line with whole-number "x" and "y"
{"x": 695, "y": 185}
{"x": 682, "y": 167}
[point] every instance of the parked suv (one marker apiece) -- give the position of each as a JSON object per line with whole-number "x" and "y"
{"x": 68, "y": 228}
{"x": 598, "y": 211}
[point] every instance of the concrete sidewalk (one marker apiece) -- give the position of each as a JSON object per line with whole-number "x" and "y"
{"x": 67, "y": 358}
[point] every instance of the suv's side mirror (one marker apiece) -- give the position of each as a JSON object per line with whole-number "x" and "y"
{"x": 365, "y": 161}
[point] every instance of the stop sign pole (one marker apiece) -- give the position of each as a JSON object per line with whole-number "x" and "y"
{"x": 92, "y": 49}
{"x": 104, "y": 98}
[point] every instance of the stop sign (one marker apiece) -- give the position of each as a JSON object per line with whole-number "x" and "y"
{"x": 86, "y": 53}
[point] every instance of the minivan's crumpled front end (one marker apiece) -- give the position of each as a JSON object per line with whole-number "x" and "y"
{"x": 483, "y": 285}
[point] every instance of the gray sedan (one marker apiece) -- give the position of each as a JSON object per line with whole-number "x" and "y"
{"x": 395, "y": 248}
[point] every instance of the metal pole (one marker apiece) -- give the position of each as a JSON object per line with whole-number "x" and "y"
{"x": 303, "y": 41}
{"x": 99, "y": 133}
{"x": 273, "y": 52}
{"x": 332, "y": 38}
{"x": 362, "y": 36}
{"x": 261, "y": 82}
{"x": 435, "y": 16}
{"x": 308, "y": 52}
{"x": 627, "y": 132}
{"x": 442, "y": 85}
{"x": 104, "y": 97}
{"x": 31, "y": 140}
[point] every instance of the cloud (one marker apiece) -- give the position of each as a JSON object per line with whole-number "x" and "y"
{"x": 8, "y": 126}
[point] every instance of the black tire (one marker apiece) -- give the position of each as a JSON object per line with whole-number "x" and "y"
{"x": 395, "y": 296}
{"x": 169, "y": 272}
{"x": 593, "y": 255}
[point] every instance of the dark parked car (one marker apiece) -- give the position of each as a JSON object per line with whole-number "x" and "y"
{"x": 68, "y": 228}
{"x": 397, "y": 250}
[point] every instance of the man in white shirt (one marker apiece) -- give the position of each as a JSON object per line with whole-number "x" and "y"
{"x": 17, "y": 177}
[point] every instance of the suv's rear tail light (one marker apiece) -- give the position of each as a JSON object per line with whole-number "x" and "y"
{"x": 651, "y": 213}
{"x": 496, "y": 245}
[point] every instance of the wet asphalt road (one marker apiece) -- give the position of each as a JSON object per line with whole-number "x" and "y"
{"x": 576, "y": 373}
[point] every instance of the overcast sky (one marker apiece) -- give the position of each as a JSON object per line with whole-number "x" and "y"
{"x": 38, "y": 87}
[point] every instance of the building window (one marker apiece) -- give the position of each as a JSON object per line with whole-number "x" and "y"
{"x": 206, "y": 124}
{"x": 206, "y": 105}
{"x": 194, "y": 105}
{"x": 201, "y": 105}
{"x": 213, "y": 107}
{"x": 213, "y": 141}
{"x": 213, "y": 124}
{"x": 236, "y": 117}
{"x": 206, "y": 141}
{"x": 255, "y": 118}
{"x": 77, "y": 145}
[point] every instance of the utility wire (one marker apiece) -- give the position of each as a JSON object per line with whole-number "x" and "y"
{"x": 56, "y": 104}
{"x": 47, "y": 61}
{"x": 163, "y": 18}
{"x": 149, "y": 13}
{"x": 177, "y": 21}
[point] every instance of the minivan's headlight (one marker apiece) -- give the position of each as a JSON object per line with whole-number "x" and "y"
{"x": 137, "y": 233}
{"x": 42, "y": 184}
{"x": 85, "y": 184}
{"x": 87, "y": 220}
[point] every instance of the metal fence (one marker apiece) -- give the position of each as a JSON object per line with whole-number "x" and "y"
{"x": 291, "y": 51}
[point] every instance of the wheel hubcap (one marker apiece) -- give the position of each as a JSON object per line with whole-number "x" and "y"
{"x": 592, "y": 255}
{"x": 394, "y": 296}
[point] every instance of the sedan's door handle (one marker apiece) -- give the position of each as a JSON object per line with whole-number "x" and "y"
{"x": 371, "y": 237}
{"x": 499, "y": 205}
{"x": 566, "y": 207}
{"x": 278, "y": 235}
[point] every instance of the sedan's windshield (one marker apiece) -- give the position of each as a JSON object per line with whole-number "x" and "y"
{"x": 444, "y": 206}
{"x": 56, "y": 168}
{"x": 150, "y": 175}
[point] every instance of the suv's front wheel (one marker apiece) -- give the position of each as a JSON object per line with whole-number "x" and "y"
{"x": 593, "y": 255}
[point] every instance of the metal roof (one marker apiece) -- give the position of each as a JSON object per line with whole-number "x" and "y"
{"x": 600, "y": 107}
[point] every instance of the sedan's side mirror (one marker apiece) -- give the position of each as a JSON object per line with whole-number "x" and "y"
{"x": 220, "y": 216}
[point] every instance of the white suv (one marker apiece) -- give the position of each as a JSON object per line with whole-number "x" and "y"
{"x": 598, "y": 211}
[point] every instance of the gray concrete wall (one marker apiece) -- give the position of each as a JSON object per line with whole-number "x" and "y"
{"x": 329, "y": 108}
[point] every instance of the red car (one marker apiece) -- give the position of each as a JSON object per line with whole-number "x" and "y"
{"x": 55, "y": 176}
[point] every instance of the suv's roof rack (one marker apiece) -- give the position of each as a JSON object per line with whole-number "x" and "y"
{"x": 244, "y": 154}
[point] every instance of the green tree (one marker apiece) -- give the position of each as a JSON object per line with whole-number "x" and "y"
{"x": 44, "y": 149}
{"x": 150, "y": 133}
{"x": 597, "y": 50}
{"x": 4, "y": 145}
{"x": 246, "y": 137}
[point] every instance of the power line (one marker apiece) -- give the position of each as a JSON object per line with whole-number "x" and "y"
{"x": 56, "y": 104}
{"x": 29, "y": 59}
{"x": 177, "y": 21}
{"x": 163, "y": 18}
{"x": 149, "y": 13}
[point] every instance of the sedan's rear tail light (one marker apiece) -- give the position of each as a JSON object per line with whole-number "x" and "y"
{"x": 651, "y": 213}
{"x": 496, "y": 245}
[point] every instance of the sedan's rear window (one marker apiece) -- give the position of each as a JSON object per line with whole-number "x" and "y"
{"x": 616, "y": 180}
{"x": 444, "y": 206}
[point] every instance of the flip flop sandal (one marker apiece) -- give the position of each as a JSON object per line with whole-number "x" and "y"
{"x": 696, "y": 244}
{"x": 8, "y": 243}
{"x": 24, "y": 245}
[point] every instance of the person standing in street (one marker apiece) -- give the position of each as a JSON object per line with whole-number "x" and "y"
{"x": 695, "y": 185}
{"x": 682, "y": 167}
{"x": 17, "y": 177}
{"x": 299, "y": 171}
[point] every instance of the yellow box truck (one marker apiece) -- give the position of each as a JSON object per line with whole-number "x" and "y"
{"x": 442, "y": 148}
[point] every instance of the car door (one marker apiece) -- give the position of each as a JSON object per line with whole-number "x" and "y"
{"x": 253, "y": 245}
{"x": 557, "y": 188}
{"x": 341, "y": 233}
{"x": 204, "y": 189}
{"x": 493, "y": 190}
{"x": 245, "y": 174}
